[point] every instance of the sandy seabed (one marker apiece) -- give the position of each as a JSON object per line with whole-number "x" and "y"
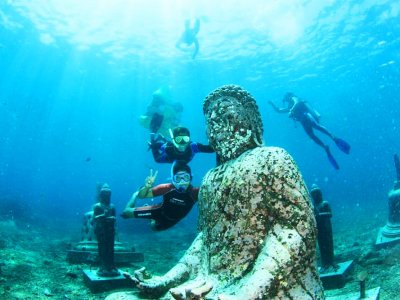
{"x": 33, "y": 258}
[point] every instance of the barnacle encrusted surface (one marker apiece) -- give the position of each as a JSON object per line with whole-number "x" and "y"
{"x": 233, "y": 121}
{"x": 257, "y": 230}
{"x": 255, "y": 215}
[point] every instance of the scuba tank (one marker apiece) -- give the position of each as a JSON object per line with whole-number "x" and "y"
{"x": 316, "y": 115}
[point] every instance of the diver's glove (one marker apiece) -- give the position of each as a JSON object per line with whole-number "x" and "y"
{"x": 155, "y": 140}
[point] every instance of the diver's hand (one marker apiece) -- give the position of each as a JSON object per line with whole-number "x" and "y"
{"x": 149, "y": 182}
{"x": 156, "y": 141}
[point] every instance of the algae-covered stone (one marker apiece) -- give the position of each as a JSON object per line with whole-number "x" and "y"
{"x": 257, "y": 231}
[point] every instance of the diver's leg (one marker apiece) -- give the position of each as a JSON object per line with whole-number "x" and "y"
{"x": 196, "y": 48}
{"x": 309, "y": 130}
{"x": 196, "y": 27}
{"x": 340, "y": 143}
{"x": 317, "y": 126}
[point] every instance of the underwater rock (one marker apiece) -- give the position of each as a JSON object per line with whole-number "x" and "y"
{"x": 257, "y": 235}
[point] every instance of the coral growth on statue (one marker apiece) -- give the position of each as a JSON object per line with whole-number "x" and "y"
{"x": 257, "y": 232}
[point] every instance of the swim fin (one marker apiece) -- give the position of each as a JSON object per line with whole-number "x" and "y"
{"x": 156, "y": 122}
{"x": 332, "y": 160}
{"x": 342, "y": 145}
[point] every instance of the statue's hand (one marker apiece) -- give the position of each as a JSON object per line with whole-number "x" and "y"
{"x": 228, "y": 297}
{"x": 143, "y": 280}
{"x": 193, "y": 291}
{"x": 131, "y": 278}
{"x": 138, "y": 277}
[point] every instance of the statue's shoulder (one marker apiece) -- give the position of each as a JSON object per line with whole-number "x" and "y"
{"x": 270, "y": 153}
{"x": 273, "y": 160}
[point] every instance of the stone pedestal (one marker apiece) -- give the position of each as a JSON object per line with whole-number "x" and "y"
{"x": 371, "y": 294}
{"x": 387, "y": 236}
{"x": 390, "y": 233}
{"x": 336, "y": 279}
{"x": 332, "y": 274}
{"x": 99, "y": 284}
{"x": 86, "y": 251}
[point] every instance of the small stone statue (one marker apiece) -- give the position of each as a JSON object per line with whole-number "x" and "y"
{"x": 104, "y": 228}
{"x": 323, "y": 215}
{"x": 394, "y": 196}
{"x": 392, "y": 228}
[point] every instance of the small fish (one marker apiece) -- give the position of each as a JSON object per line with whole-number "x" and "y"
{"x": 88, "y": 159}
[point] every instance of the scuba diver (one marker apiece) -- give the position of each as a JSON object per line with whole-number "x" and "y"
{"x": 161, "y": 113}
{"x": 299, "y": 110}
{"x": 179, "y": 196}
{"x": 180, "y": 148}
{"x": 189, "y": 37}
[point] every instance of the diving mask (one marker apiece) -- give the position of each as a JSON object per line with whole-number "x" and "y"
{"x": 181, "y": 181}
{"x": 182, "y": 139}
{"x": 181, "y": 177}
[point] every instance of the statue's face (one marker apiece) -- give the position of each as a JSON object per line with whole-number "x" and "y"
{"x": 105, "y": 197}
{"x": 233, "y": 121}
{"x": 227, "y": 128}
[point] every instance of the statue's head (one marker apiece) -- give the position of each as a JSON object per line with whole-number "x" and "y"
{"x": 105, "y": 194}
{"x": 233, "y": 121}
{"x": 316, "y": 194}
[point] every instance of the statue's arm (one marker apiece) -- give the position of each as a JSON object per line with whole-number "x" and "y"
{"x": 272, "y": 267}
{"x": 180, "y": 273}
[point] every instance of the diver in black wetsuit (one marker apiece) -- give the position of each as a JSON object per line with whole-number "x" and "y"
{"x": 300, "y": 111}
{"x": 181, "y": 148}
{"x": 178, "y": 199}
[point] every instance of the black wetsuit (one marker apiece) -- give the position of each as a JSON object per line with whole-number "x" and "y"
{"x": 174, "y": 207}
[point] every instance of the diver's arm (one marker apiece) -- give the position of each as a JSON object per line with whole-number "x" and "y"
{"x": 279, "y": 110}
{"x": 158, "y": 151}
{"x": 205, "y": 148}
{"x": 130, "y": 207}
{"x": 145, "y": 192}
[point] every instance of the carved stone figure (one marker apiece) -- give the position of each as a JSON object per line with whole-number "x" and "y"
{"x": 257, "y": 232}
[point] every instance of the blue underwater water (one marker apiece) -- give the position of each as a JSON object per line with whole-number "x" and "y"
{"x": 74, "y": 77}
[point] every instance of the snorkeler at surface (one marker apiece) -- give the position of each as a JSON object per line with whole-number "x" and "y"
{"x": 179, "y": 196}
{"x": 189, "y": 37}
{"x": 300, "y": 111}
{"x": 180, "y": 148}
